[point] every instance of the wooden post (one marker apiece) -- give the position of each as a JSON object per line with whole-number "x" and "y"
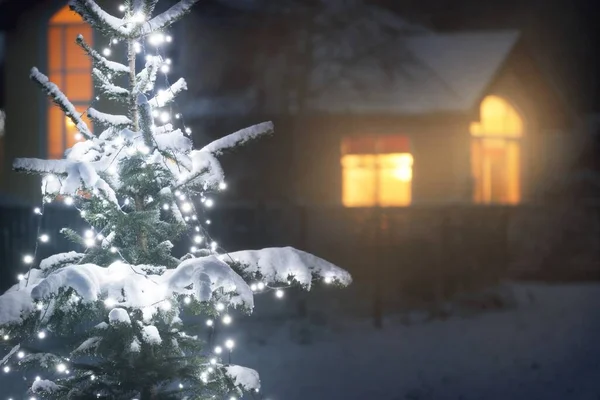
{"x": 379, "y": 260}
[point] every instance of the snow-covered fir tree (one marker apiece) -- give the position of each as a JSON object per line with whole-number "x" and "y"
{"x": 124, "y": 318}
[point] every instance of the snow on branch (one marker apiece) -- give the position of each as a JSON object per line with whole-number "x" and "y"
{"x": 101, "y": 62}
{"x": 94, "y": 15}
{"x": 39, "y": 166}
{"x": 120, "y": 121}
{"x": 277, "y": 264}
{"x": 168, "y": 17}
{"x": 60, "y": 100}
{"x": 206, "y": 170}
{"x": 147, "y": 77}
{"x": 111, "y": 90}
{"x": 238, "y": 138}
{"x": 165, "y": 97}
{"x": 44, "y": 386}
{"x": 242, "y": 377}
{"x": 73, "y": 175}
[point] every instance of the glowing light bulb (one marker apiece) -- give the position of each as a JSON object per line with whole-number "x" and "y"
{"x": 220, "y": 306}
{"x": 37, "y": 211}
{"x": 209, "y": 322}
{"x": 209, "y": 203}
{"x": 229, "y": 344}
{"x": 41, "y": 334}
{"x": 115, "y": 41}
{"x": 213, "y": 361}
{"x": 177, "y": 116}
{"x": 113, "y": 249}
{"x": 109, "y": 302}
{"x": 180, "y": 386}
{"x": 168, "y": 61}
{"x": 168, "y": 38}
{"x": 198, "y": 239}
{"x": 92, "y": 377}
{"x": 44, "y": 238}
{"x": 90, "y": 242}
{"x": 260, "y": 286}
{"x": 186, "y": 207}
{"x": 20, "y": 354}
{"x": 20, "y": 277}
{"x": 208, "y": 222}
{"x": 89, "y": 233}
{"x": 82, "y": 213}
{"x": 106, "y": 52}
{"x": 227, "y": 319}
{"x": 5, "y": 337}
{"x": 253, "y": 287}
{"x": 233, "y": 398}
{"x": 68, "y": 200}
{"x": 222, "y": 186}
{"x": 213, "y": 246}
{"x": 164, "y": 69}
{"x": 61, "y": 367}
{"x": 39, "y": 306}
{"x": 156, "y": 39}
{"x": 328, "y": 279}
{"x": 166, "y": 207}
{"x": 100, "y": 236}
{"x": 188, "y": 131}
{"x": 28, "y": 259}
{"x": 187, "y": 300}
{"x": 165, "y": 117}
{"x": 218, "y": 350}
{"x": 122, "y": 9}
{"x": 78, "y": 136}
{"x": 279, "y": 293}
{"x": 6, "y": 369}
{"x": 138, "y": 17}
{"x": 193, "y": 249}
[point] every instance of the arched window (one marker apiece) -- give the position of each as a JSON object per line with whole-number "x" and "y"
{"x": 70, "y": 68}
{"x": 496, "y": 153}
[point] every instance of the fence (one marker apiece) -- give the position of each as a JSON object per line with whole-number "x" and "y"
{"x": 395, "y": 255}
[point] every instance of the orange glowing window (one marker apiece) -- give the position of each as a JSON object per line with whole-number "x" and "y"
{"x": 376, "y": 171}
{"x": 70, "y": 69}
{"x": 496, "y": 153}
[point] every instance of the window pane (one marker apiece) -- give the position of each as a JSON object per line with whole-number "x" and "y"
{"x": 55, "y": 132}
{"x": 75, "y": 56}
{"x": 395, "y": 179}
{"x": 495, "y": 153}
{"x": 55, "y": 49}
{"x": 358, "y": 180}
{"x": 78, "y": 87}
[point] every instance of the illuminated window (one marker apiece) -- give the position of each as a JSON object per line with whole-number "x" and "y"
{"x": 70, "y": 68}
{"x": 495, "y": 153}
{"x": 376, "y": 171}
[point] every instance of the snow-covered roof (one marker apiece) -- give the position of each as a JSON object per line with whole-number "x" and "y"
{"x": 441, "y": 73}
{"x": 368, "y": 60}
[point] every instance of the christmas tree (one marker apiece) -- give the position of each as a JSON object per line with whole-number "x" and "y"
{"x": 124, "y": 318}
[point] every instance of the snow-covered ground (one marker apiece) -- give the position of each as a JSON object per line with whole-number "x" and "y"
{"x": 547, "y": 348}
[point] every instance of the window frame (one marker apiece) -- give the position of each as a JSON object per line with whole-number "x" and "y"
{"x": 45, "y": 103}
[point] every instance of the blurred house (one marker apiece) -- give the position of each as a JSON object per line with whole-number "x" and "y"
{"x": 370, "y": 110}
{"x": 373, "y": 113}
